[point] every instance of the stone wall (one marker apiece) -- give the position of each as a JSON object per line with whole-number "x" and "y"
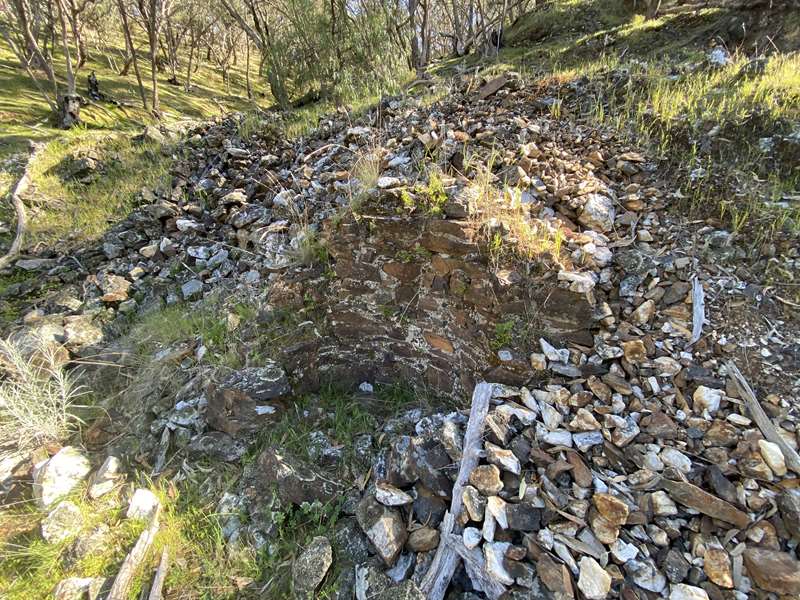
{"x": 414, "y": 298}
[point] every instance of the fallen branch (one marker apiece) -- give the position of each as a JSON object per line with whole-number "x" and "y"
{"x": 122, "y": 583}
{"x": 434, "y": 584}
{"x": 19, "y": 207}
{"x": 762, "y": 420}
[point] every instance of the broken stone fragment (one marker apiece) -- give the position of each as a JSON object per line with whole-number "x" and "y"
{"x": 643, "y": 313}
{"x": 79, "y": 588}
{"x": 472, "y": 537}
{"x": 717, "y": 567}
{"x": 494, "y": 554}
{"x": 773, "y": 456}
{"x": 773, "y": 571}
{"x": 59, "y": 475}
{"x": 311, "y": 567}
{"x": 682, "y": 591}
{"x": 423, "y": 539}
{"x": 105, "y": 478}
{"x": 662, "y": 504}
{"x": 384, "y": 527}
{"x": 388, "y": 495}
{"x": 594, "y": 581}
{"x": 789, "y": 505}
{"x": 635, "y": 351}
{"x": 645, "y": 574}
{"x": 597, "y": 213}
{"x": 63, "y": 522}
{"x": 706, "y": 400}
{"x": 692, "y": 496}
{"x": 192, "y": 289}
{"x": 613, "y": 509}
{"x": 474, "y": 503}
{"x": 143, "y": 504}
{"x": 486, "y": 479}
{"x": 502, "y": 457}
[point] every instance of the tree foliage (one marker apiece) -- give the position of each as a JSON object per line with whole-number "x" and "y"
{"x": 302, "y": 50}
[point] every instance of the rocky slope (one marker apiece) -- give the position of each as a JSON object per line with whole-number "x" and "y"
{"x": 477, "y": 239}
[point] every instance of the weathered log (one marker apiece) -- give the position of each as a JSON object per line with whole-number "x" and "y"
{"x": 434, "y": 584}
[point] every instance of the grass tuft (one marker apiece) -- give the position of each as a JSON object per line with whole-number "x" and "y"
{"x": 37, "y": 396}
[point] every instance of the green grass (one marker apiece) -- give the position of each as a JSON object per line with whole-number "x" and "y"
{"x": 30, "y": 567}
{"x": 672, "y": 101}
{"x": 340, "y": 415}
{"x": 215, "y": 321}
{"x": 81, "y": 212}
{"x": 25, "y": 115}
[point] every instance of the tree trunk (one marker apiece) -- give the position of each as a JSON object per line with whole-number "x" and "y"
{"x": 247, "y": 69}
{"x": 416, "y": 59}
{"x": 69, "y": 105}
{"x": 188, "y": 86}
{"x": 132, "y": 50}
{"x": 152, "y": 36}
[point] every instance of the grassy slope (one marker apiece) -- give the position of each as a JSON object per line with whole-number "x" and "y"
{"x": 674, "y": 102}
{"x": 81, "y": 212}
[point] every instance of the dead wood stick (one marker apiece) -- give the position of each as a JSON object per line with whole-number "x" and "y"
{"x": 19, "y": 207}
{"x": 434, "y": 584}
{"x": 698, "y": 310}
{"x": 122, "y": 583}
{"x": 762, "y": 420}
{"x": 161, "y": 574}
{"x": 475, "y": 565}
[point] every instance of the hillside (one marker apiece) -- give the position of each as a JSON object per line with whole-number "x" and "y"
{"x": 521, "y": 325}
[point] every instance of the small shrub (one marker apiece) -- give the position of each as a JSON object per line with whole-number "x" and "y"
{"x": 36, "y": 396}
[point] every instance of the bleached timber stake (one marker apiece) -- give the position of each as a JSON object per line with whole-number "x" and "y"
{"x": 698, "y": 310}
{"x": 434, "y": 584}
{"x": 761, "y": 418}
{"x": 122, "y": 584}
{"x": 161, "y": 575}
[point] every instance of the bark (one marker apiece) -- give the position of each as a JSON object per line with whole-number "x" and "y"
{"x": 247, "y": 70}
{"x": 69, "y": 105}
{"x": 132, "y": 50}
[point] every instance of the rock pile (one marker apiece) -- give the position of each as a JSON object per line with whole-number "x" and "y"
{"x": 619, "y": 458}
{"x": 578, "y": 493}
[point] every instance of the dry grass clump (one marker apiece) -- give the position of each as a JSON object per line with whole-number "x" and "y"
{"x": 36, "y": 395}
{"x": 508, "y": 226}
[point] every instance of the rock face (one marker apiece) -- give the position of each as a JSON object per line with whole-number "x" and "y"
{"x": 247, "y": 399}
{"x": 294, "y": 481}
{"x": 59, "y": 475}
{"x": 311, "y": 567}
{"x": 384, "y": 527}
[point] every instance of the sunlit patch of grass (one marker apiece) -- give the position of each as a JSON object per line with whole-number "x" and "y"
{"x": 32, "y": 567}
{"x": 674, "y": 101}
{"x": 508, "y": 228}
{"x": 80, "y": 212}
{"x": 214, "y": 322}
